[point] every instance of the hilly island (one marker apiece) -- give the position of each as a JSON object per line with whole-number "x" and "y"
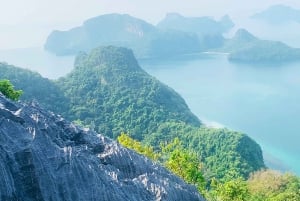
{"x": 173, "y": 36}
{"x": 109, "y": 93}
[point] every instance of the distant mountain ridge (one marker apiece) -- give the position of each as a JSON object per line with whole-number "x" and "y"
{"x": 110, "y": 29}
{"x": 146, "y": 40}
{"x": 209, "y": 31}
{"x": 199, "y": 25}
{"x": 175, "y": 35}
{"x": 278, "y": 14}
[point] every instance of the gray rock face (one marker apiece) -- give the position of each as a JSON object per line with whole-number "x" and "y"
{"x": 45, "y": 158}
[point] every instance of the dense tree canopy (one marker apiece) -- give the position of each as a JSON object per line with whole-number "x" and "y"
{"x": 107, "y": 88}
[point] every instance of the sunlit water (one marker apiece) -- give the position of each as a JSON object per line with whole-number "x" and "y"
{"x": 260, "y": 100}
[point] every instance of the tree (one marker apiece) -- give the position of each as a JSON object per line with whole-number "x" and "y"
{"x": 7, "y": 89}
{"x": 272, "y": 185}
{"x": 184, "y": 163}
{"x": 233, "y": 190}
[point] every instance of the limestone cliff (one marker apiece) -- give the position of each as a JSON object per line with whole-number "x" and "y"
{"x": 45, "y": 158}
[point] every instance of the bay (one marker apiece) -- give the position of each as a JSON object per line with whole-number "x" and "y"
{"x": 261, "y": 100}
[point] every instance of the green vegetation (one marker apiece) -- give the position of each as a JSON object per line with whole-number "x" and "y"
{"x": 183, "y": 162}
{"x": 264, "y": 185}
{"x": 223, "y": 152}
{"x": 7, "y": 89}
{"x": 137, "y": 146}
{"x": 108, "y": 89}
{"x": 270, "y": 185}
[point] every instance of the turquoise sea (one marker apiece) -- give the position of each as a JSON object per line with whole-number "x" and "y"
{"x": 261, "y": 100}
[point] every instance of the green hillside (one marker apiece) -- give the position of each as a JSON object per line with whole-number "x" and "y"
{"x": 109, "y": 92}
{"x": 108, "y": 89}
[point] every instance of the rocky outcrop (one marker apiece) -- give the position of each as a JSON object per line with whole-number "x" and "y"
{"x": 45, "y": 158}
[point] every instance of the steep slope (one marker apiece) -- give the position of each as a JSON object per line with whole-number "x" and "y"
{"x": 112, "y": 94}
{"x": 109, "y": 91}
{"x": 278, "y": 14}
{"x": 121, "y": 30}
{"x": 45, "y": 158}
{"x": 35, "y": 87}
{"x": 240, "y": 40}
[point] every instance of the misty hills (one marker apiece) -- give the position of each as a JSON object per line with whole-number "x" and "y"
{"x": 109, "y": 92}
{"x": 111, "y": 29}
{"x": 174, "y": 35}
{"x": 209, "y": 31}
{"x": 44, "y": 158}
{"x": 146, "y": 40}
{"x": 200, "y": 25}
{"x": 278, "y": 14}
{"x": 245, "y": 47}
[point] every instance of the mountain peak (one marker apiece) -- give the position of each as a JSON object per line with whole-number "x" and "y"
{"x": 244, "y": 35}
{"x": 108, "y": 57}
{"x": 112, "y": 78}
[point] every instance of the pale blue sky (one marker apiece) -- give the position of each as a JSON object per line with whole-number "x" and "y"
{"x": 27, "y": 23}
